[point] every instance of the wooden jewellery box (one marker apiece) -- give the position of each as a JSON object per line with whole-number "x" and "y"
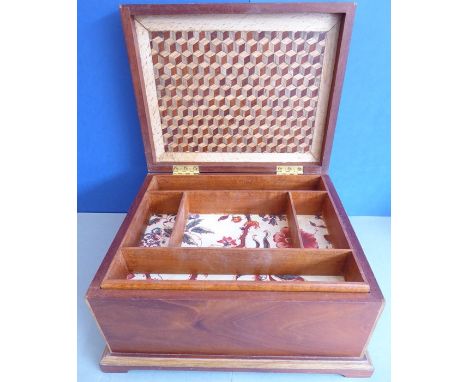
{"x": 237, "y": 253}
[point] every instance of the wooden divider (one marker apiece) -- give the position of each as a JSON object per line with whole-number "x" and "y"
{"x": 308, "y": 203}
{"x": 238, "y": 261}
{"x": 294, "y": 229}
{"x": 283, "y": 286}
{"x": 233, "y": 182}
{"x": 334, "y": 227}
{"x": 137, "y": 226}
{"x": 179, "y": 226}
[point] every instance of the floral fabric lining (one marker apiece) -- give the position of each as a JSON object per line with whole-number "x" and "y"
{"x": 237, "y": 231}
{"x": 158, "y": 231}
{"x": 201, "y": 277}
{"x": 314, "y": 232}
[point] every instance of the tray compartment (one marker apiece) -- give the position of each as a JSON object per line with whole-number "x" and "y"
{"x": 155, "y": 220}
{"x": 239, "y": 219}
{"x": 158, "y": 230}
{"x": 156, "y": 212}
{"x": 318, "y": 222}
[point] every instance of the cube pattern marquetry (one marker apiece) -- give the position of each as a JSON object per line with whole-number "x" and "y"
{"x": 237, "y": 92}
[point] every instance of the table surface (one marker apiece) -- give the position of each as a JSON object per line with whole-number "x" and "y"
{"x": 95, "y": 233}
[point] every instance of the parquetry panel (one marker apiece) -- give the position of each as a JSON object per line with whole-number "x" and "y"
{"x": 237, "y": 91}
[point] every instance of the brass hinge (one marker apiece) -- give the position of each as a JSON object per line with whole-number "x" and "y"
{"x": 185, "y": 170}
{"x": 289, "y": 170}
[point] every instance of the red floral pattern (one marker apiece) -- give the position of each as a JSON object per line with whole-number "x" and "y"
{"x": 314, "y": 232}
{"x": 282, "y": 238}
{"x": 308, "y": 239}
{"x": 227, "y": 241}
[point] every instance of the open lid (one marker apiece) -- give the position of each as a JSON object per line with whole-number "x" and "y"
{"x": 238, "y": 87}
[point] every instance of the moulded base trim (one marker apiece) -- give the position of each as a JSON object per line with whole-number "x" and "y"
{"x": 346, "y": 366}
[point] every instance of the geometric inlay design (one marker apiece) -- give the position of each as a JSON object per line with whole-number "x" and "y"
{"x": 237, "y": 91}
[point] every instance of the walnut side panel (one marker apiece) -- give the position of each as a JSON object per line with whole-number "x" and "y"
{"x": 244, "y": 324}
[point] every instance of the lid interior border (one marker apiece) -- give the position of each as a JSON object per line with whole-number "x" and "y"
{"x": 238, "y": 87}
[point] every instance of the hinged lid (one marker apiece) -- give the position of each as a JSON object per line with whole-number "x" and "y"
{"x": 238, "y": 87}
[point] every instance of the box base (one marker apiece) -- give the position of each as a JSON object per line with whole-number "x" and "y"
{"x": 346, "y": 366}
